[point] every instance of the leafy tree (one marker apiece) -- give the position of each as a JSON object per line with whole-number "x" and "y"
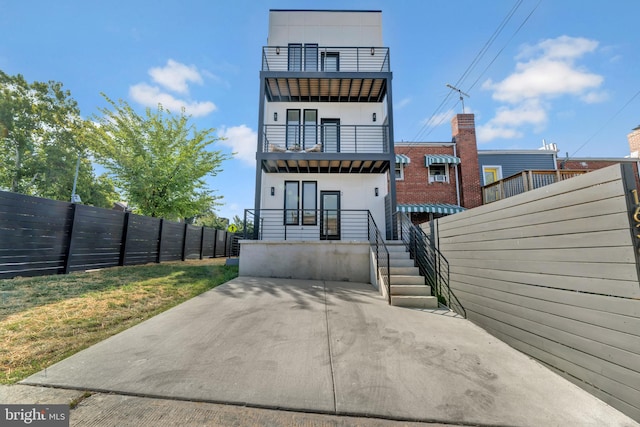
{"x": 158, "y": 160}
{"x": 211, "y": 219}
{"x": 239, "y": 222}
{"x": 40, "y": 143}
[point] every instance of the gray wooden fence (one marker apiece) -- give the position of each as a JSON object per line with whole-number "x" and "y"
{"x": 554, "y": 273}
{"x": 41, "y": 236}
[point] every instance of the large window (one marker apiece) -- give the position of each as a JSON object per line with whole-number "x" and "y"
{"x": 310, "y": 128}
{"x": 291, "y": 202}
{"x": 311, "y": 57}
{"x": 309, "y": 202}
{"x": 295, "y": 57}
{"x": 293, "y": 130}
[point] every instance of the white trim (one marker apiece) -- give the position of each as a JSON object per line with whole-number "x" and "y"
{"x": 498, "y": 169}
{"x": 432, "y": 178}
{"x": 401, "y": 177}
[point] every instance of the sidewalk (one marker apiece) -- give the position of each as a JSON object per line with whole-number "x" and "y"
{"x": 309, "y": 348}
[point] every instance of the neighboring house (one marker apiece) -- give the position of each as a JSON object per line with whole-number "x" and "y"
{"x": 498, "y": 164}
{"x": 325, "y": 132}
{"x": 435, "y": 179}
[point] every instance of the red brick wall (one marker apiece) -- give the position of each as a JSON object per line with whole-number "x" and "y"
{"x": 464, "y": 131}
{"x": 415, "y": 188}
{"x": 595, "y": 164}
{"x": 634, "y": 140}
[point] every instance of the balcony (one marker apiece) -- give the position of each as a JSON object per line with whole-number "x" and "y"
{"x": 325, "y": 148}
{"x": 325, "y": 74}
{"x": 307, "y": 224}
{"x": 313, "y": 58}
{"x": 525, "y": 181}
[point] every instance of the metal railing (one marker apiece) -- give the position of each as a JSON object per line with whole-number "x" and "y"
{"x": 307, "y": 224}
{"x": 326, "y": 138}
{"x": 325, "y": 59}
{"x": 526, "y": 181}
{"x": 379, "y": 248}
{"x": 433, "y": 266}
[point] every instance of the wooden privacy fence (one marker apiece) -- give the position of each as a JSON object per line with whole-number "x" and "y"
{"x": 42, "y": 236}
{"x": 554, "y": 273}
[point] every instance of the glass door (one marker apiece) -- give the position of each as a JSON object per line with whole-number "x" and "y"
{"x": 331, "y": 135}
{"x": 329, "y": 215}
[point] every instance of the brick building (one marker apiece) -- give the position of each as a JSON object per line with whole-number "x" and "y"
{"x": 434, "y": 179}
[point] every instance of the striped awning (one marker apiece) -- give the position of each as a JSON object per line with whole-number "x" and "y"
{"x": 401, "y": 158}
{"x": 439, "y": 208}
{"x": 440, "y": 159}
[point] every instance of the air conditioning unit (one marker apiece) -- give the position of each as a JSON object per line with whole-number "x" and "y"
{"x": 439, "y": 178}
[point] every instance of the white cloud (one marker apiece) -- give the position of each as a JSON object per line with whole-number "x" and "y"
{"x": 403, "y": 103}
{"x": 176, "y": 76}
{"x": 543, "y": 72}
{"x": 526, "y": 113}
{"x": 595, "y": 97}
{"x": 151, "y": 96}
{"x": 439, "y": 119}
{"x": 243, "y": 141}
{"x": 490, "y": 132}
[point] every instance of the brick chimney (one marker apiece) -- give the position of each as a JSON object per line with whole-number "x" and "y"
{"x": 634, "y": 142}
{"x": 463, "y": 129}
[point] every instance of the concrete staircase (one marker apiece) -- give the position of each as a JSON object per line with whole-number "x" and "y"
{"x": 408, "y": 288}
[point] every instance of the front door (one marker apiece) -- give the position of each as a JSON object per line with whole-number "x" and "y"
{"x": 329, "y": 215}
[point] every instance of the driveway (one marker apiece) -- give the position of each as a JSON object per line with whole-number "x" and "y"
{"x": 328, "y": 348}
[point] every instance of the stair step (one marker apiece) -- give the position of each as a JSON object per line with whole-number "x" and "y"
{"x": 401, "y": 262}
{"x": 414, "y": 301}
{"x": 398, "y": 254}
{"x": 399, "y": 279}
{"x": 396, "y": 248}
{"x": 411, "y": 290}
{"x": 404, "y": 270}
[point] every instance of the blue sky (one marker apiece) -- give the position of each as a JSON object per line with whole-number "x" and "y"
{"x": 564, "y": 71}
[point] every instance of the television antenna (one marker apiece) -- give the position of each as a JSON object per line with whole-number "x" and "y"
{"x": 461, "y": 93}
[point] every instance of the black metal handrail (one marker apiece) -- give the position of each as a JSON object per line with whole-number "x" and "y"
{"x": 314, "y": 138}
{"x": 325, "y": 59}
{"x": 383, "y": 270}
{"x": 307, "y": 224}
{"x": 433, "y": 266}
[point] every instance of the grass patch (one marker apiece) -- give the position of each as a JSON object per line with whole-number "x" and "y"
{"x": 46, "y": 319}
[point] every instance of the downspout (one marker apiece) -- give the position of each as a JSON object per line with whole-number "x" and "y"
{"x": 455, "y": 169}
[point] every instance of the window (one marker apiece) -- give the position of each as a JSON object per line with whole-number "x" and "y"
{"x": 310, "y": 137}
{"x": 291, "y": 198}
{"x": 438, "y": 173}
{"x": 491, "y": 174}
{"x": 295, "y": 57}
{"x": 311, "y": 57}
{"x": 330, "y": 61}
{"x": 399, "y": 172}
{"x": 293, "y": 130}
{"x": 309, "y": 202}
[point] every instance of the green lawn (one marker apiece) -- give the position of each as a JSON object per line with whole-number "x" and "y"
{"x": 46, "y": 319}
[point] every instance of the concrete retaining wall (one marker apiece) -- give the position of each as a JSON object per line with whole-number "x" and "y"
{"x": 553, "y": 273}
{"x": 313, "y": 260}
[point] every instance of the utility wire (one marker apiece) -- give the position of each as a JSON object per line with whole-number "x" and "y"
{"x": 429, "y": 124}
{"x": 607, "y": 123}
{"x": 505, "y": 45}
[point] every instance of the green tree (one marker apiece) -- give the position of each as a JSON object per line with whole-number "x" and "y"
{"x": 211, "y": 219}
{"x": 158, "y": 160}
{"x": 40, "y": 142}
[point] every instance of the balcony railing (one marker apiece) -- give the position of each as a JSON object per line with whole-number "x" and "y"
{"x": 525, "y": 181}
{"x": 307, "y": 224}
{"x": 326, "y": 139}
{"x": 325, "y": 59}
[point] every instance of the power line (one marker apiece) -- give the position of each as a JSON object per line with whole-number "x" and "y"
{"x": 429, "y": 123}
{"x": 607, "y": 122}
